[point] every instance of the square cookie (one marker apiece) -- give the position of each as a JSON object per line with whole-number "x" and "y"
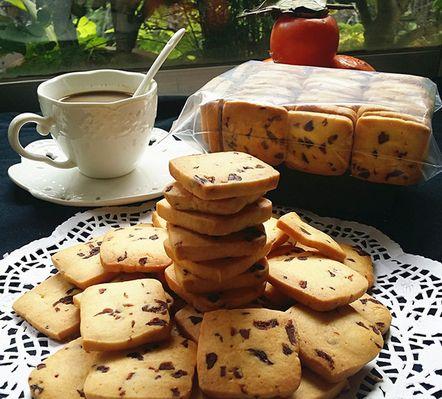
{"x": 187, "y": 244}
{"x": 257, "y": 129}
{"x": 80, "y": 264}
{"x": 342, "y": 343}
{"x": 223, "y": 175}
{"x": 158, "y": 370}
{"x": 314, "y": 387}
{"x": 218, "y": 270}
{"x": 319, "y": 143}
{"x": 179, "y": 198}
{"x": 217, "y": 225}
{"x": 374, "y": 311}
{"x": 216, "y": 300}
{"x": 389, "y": 150}
{"x": 360, "y": 261}
{"x": 62, "y": 375}
{"x": 255, "y": 275}
{"x": 136, "y": 248}
{"x": 303, "y": 233}
{"x": 123, "y": 315}
{"x": 49, "y": 307}
{"x": 317, "y": 282}
{"x": 248, "y": 353}
{"x": 188, "y": 320}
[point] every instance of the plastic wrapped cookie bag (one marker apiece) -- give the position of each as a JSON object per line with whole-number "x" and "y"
{"x": 373, "y": 126}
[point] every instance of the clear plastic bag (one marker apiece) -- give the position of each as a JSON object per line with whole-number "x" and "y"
{"x": 374, "y": 126}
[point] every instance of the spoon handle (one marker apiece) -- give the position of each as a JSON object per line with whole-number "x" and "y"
{"x": 170, "y": 45}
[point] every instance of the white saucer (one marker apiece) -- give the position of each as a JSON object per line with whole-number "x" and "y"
{"x": 70, "y": 187}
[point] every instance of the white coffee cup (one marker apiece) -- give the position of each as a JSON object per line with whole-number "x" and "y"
{"x": 104, "y": 140}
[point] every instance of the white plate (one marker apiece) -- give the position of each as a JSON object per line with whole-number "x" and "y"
{"x": 70, "y": 187}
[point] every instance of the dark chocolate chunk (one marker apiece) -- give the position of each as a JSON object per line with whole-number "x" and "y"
{"x": 307, "y": 142}
{"x": 286, "y": 350}
{"x": 302, "y": 257}
{"x": 154, "y": 237}
{"x": 290, "y": 330}
{"x": 326, "y": 357}
{"x": 130, "y": 375}
{"x": 323, "y": 148}
{"x": 142, "y": 261}
{"x": 211, "y": 359}
{"x": 383, "y": 137}
{"x": 122, "y": 257}
{"x": 234, "y": 177}
{"x": 233, "y": 331}
{"x": 219, "y": 336}
{"x": 81, "y": 393}
{"x": 135, "y": 355}
{"x": 308, "y": 127}
{"x": 222, "y": 371}
{"x": 101, "y": 290}
{"x": 161, "y": 308}
{"x": 303, "y": 284}
{"x": 157, "y": 322}
{"x": 105, "y": 311}
{"x": 102, "y": 368}
{"x": 200, "y": 180}
{"x": 237, "y": 373}
{"x": 305, "y": 231}
{"x": 179, "y": 373}
{"x": 261, "y": 355}
{"x": 331, "y": 139}
{"x": 195, "y": 319}
{"x": 41, "y": 366}
{"x": 324, "y": 122}
{"x": 175, "y": 392}
{"x": 375, "y": 330}
{"x": 168, "y": 188}
{"x": 185, "y": 343}
{"x": 245, "y": 333}
{"x": 361, "y": 324}
{"x": 265, "y": 324}
{"x": 66, "y": 300}
{"x": 166, "y": 366}
{"x": 331, "y": 273}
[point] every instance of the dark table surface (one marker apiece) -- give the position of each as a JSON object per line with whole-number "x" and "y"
{"x": 411, "y": 216}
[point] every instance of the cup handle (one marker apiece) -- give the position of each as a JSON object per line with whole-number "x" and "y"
{"x": 44, "y": 124}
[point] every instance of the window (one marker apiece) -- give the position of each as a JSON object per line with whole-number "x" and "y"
{"x": 46, "y": 37}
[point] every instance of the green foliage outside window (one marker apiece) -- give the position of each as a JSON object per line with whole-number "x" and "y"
{"x": 42, "y": 37}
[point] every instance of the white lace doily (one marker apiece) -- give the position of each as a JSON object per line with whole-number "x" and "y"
{"x": 409, "y": 365}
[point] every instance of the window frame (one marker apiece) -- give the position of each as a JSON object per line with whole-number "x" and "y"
{"x": 19, "y": 95}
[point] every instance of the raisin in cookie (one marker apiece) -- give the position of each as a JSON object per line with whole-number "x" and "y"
{"x": 319, "y": 143}
{"x": 257, "y": 129}
{"x": 179, "y": 198}
{"x": 248, "y": 353}
{"x": 217, "y": 225}
{"x": 360, "y": 261}
{"x": 342, "y": 343}
{"x": 80, "y": 264}
{"x": 158, "y": 370}
{"x": 216, "y": 300}
{"x": 196, "y": 247}
{"x": 223, "y": 175}
{"x": 134, "y": 248}
{"x": 62, "y": 375}
{"x": 305, "y": 234}
{"x": 218, "y": 270}
{"x": 317, "y": 282}
{"x": 374, "y": 311}
{"x": 255, "y": 275}
{"x": 49, "y": 307}
{"x": 188, "y": 319}
{"x": 118, "y": 316}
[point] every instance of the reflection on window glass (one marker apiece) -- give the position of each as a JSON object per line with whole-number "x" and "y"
{"x": 44, "y": 37}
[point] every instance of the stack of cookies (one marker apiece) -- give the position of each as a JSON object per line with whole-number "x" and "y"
{"x": 215, "y": 212}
